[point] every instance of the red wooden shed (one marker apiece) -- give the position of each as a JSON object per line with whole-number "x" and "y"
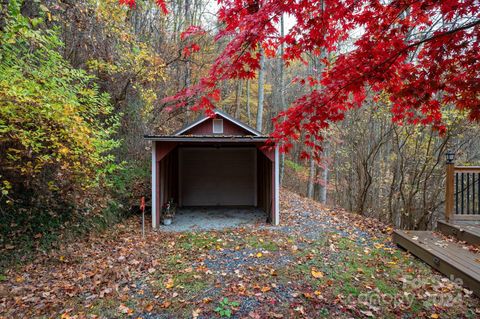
{"x": 215, "y": 161}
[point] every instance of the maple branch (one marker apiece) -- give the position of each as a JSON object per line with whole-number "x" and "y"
{"x": 399, "y": 53}
{"x": 425, "y": 40}
{"x": 436, "y": 36}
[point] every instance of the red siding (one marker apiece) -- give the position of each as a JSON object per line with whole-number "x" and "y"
{"x": 164, "y": 148}
{"x": 206, "y": 128}
{"x": 166, "y": 179}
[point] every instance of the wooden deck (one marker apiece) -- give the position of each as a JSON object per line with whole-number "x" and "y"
{"x": 462, "y": 221}
{"x": 449, "y": 258}
{"x": 467, "y": 233}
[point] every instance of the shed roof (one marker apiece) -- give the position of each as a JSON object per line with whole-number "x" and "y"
{"x": 207, "y": 138}
{"x": 180, "y": 136}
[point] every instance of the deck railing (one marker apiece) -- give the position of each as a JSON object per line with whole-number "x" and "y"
{"x": 462, "y": 192}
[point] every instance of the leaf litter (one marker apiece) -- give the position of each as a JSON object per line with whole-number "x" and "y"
{"x": 318, "y": 263}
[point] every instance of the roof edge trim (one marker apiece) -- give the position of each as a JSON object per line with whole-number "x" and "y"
{"x": 187, "y": 138}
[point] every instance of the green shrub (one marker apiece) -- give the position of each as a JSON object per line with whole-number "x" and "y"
{"x": 57, "y": 166}
{"x": 56, "y": 127}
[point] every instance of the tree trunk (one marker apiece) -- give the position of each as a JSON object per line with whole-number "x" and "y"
{"x": 187, "y": 63}
{"x": 249, "y": 114}
{"x": 311, "y": 177}
{"x": 261, "y": 84}
{"x": 323, "y": 185}
{"x": 238, "y": 97}
{"x": 283, "y": 105}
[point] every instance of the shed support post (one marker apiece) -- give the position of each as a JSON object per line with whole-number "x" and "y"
{"x": 449, "y": 185}
{"x": 277, "y": 187}
{"x": 154, "y": 185}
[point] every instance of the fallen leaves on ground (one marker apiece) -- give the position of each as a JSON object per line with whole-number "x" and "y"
{"x": 319, "y": 263}
{"x": 316, "y": 274}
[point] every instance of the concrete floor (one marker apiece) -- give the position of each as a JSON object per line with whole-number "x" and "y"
{"x": 205, "y": 218}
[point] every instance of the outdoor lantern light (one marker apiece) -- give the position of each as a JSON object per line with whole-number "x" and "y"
{"x": 450, "y": 157}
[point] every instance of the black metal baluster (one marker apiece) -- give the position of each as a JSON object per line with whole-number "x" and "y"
{"x": 468, "y": 193}
{"x": 456, "y": 193}
{"x": 473, "y": 193}
{"x": 463, "y": 201}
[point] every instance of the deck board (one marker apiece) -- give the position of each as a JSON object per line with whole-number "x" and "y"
{"x": 452, "y": 252}
{"x": 450, "y": 258}
{"x": 465, "y": 218}
{"x": 468, "y": 233}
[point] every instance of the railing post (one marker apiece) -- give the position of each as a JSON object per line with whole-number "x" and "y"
{"x": 449, "y": 186}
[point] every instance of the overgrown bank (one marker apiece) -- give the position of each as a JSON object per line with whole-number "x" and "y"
{"x": 59, "y": 173}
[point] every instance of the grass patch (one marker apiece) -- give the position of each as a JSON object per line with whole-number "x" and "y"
{"x": 344, "y": 243}
{"x": 355, "y": 266}
{"x": 295, "y": 166}
{"x": 348, "y": 289}
{"x": 261, "y": 243}
{"x": 188, "y": 286}
{"x": 194, "y": 240}
{"x": 186, "y": 280}
{"x": 416, "y": 306}
{"x": 175, "y": 262}
{"x": 386, "y": 287}
{"x": 324, "y": 312}
{"x": 105, "y": 308}
{"x": 189, "y": 283}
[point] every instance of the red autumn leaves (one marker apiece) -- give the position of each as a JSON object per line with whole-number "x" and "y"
{"x": 423, "y": 55}
{"x": 132, "y": 4}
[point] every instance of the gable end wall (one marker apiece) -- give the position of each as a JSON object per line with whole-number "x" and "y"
{"x": 206, "y": 128}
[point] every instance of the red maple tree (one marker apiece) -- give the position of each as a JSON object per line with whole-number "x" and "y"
{"x": 424, "y": 55}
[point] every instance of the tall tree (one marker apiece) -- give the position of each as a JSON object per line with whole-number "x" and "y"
{"x": 311, "y": 177}
{"x": 238, "y": 97}
{"x": 249, "y": 114}
{"x": 322, "y": 192}
{"x": 261, "y": 89}
{"x": 283, "y": 105}
{"x": 312, "y": 172}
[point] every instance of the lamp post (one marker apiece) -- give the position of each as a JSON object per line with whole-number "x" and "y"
{"x": 450, "y": 157}
{"x": 449, "y": 184}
